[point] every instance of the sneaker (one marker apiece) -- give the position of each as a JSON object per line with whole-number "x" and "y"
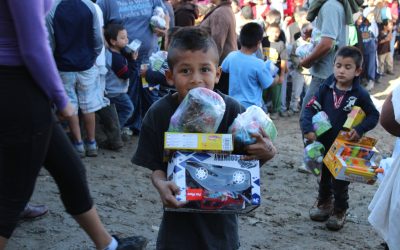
{"x": 390, "y": 73}
{"x": 283, "y": 114}
{"x": 290, "y": 112}
{"x": 91, "y": 148}
{"x": 126, "y": 134}
{"x": 370, "y": 85}
{"x": 303, "y": 169}
{"x": 337, "y": 220}
{"x": 321, "y": 210}
{"x": 80, "y": 149}
{"x": 273, "y": 116}
{"x": 131, "y": 243}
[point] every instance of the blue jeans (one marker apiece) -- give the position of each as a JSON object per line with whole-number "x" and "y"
{"x": 142, "y": 98}
{"x": 124, "y": 107}
{"x": 370, "y": 60}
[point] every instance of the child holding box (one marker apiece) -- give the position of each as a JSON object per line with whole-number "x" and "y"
{"x": 336, "y": 97}
{"x": 193, "y": 62}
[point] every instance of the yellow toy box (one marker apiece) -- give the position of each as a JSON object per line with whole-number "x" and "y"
{"x": 352, "y": 161}
{"x": 198, "y": 142}
{"x": 355, "y": 117}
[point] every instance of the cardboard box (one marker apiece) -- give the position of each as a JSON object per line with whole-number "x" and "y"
{"x": 355, "y": 117}
{"x": 352, "y": 161}
{"x": 198, "y": 142}
{"x": 215, "y": 183}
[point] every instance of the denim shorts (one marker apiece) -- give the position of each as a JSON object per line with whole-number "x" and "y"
{"x": 83, "y": 89}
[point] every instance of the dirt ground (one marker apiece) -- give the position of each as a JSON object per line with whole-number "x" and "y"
{"x": 129, "y": 205}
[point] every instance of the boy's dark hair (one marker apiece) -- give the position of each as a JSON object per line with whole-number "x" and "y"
{"x": 351, "y": 52}
{"x": 191, "y": 39}
{"x": 111, "y": 31}
{"x": 274, "y": 15}
{"x": 250, "y": 35}
{"x": 247, "y": 12}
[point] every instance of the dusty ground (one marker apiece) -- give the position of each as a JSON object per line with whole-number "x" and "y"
{"x": 128, "y": 204}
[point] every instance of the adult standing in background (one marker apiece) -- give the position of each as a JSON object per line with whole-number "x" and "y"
{"x": 221, "y": 23}
{"x": 186, "y": 12}
{"x": 135, "y": 16}
{"x": 29, "y": 135}
{"x": 332, "y": 18}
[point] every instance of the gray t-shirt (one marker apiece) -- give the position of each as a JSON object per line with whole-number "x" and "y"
{"x": 135, "y": 16}
{"x": 331, "y": 23}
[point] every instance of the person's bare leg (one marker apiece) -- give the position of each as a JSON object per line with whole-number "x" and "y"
{"x": 90, "y": 222}
{"x": 75, "y": 129}
{"x": 3, "y": 242}
{"x": 89, "y": 121}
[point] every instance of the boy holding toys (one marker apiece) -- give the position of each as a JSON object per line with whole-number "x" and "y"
{"x": 193, "y": 62}
{"x": 336, "y": 97}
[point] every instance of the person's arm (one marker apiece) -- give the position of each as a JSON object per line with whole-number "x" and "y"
{"x": 312, "y": 107}
{"x": 120, "y": 66}
{"x": 166, "y": 189}
{"x": 319, "y": 51}
{"x": 29, "y": 24}
{"x": 371, "y": 115}
{"x": 219, "y": 30}
{"x": 387, "y": 118}
{"x": 97, "y": 32}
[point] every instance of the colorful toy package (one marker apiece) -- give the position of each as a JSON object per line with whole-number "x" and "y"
{"x": 201, "y": 111}
{"x": 215, "y": 183}
{"x": 250, "y": 122}
{"x": 321, "y": 123}
{"x": 355, "y": 117}
{"x": 313, "y": 156}
{"x": 158, "y": 61}
{"x": 353, "y": 161}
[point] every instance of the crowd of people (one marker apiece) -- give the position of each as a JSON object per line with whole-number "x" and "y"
{"x": 120, "y": 68}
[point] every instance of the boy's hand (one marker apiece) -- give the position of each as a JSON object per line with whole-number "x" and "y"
{"x": 143, "y": 70}
{"x": 68, "y": 111}
{"x": 281, "y": 79}
{"x": 353, "y": 135}
{"x": 167, "y": 191}
{"x": 160, "y": 32}
{"x": 310, "y": 136}
{"x": 135, "y": 55}
{"x": 262, "y": 150}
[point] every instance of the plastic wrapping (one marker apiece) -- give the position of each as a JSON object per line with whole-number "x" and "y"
{"x": 304, "y": 50}
{"x": 273, "y": 70}
{"x": 249, "y": 123}
{"x": 158, "y": 61}
{"x": 157, "y": 20}
{"x": 313, "y": 156}
{"x": 321, "y": 123}
{"x": 201, "y": 111}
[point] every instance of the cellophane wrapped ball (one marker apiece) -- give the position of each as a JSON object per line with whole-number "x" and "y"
{"x": 250, "y": 122}
{"x": 201, "y": 111}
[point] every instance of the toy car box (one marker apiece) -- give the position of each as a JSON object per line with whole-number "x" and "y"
{"x": 352, "y": 161}
{"x": 198, "y": 142}
{"x": 215, "y": 183}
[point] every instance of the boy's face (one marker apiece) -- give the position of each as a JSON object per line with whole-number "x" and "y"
{"x": 273, "y": 33}
{"x": 122, "y": 40}
{"x": 193, "y": 69}
{"x": 345, "y": 70}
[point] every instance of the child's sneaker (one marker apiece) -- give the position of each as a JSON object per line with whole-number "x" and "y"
{"x": 126, "y": 134}
{"x": 91, "y": 148}
{"x": 370, "y": 85}
{"x": 337, "y": 220}
{"x": 284, "y": 114}
{"x": 273, "y": 116}
{"x": 80, "y": 149}
{"x": 131, "y": 243}
{"x": 321, "y": 210}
